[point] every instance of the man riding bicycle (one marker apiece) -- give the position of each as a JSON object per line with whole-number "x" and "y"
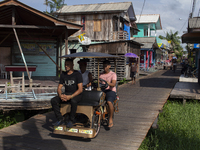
{"x": 110, "y": 77}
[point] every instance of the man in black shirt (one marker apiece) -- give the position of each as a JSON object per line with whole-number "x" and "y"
{"x": 73, "y": 82}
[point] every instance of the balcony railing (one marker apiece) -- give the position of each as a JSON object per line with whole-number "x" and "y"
{"x": 119, "y": 35}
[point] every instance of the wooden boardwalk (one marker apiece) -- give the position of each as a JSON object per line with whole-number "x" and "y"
{"x": 139, "y": 106}
{"x": 186, "y": 90}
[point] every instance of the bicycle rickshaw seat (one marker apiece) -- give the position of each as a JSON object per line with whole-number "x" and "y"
{"x": 89, "y": 98}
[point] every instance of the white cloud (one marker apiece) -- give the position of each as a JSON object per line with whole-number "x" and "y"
{"x": 170, "y": 10}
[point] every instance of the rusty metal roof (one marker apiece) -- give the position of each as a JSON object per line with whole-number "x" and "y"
{"x": 101, "y": 7}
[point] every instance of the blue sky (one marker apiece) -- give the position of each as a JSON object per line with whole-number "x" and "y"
{"x": 173, "y": 13}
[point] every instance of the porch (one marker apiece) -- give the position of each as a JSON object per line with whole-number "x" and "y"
{"x": 36, "y": 98}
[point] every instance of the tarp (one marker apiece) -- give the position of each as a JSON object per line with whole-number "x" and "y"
{"x": 127, "y": 29}
{"x": 131, "y": 55}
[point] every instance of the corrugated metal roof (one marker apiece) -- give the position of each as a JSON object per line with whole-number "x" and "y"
{"x": 194, "y": 22}
{"x": 122, "y": 6}
{"x": 147, "y": 42}
{"x": 147, "y": 18}
{"x": 145, "y": 39}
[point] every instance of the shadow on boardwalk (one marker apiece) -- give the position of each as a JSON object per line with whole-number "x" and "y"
{"x": 164, "y": 80}
{"x": 28, "y": 137}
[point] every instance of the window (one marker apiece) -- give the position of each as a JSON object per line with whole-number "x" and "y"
{"x": 115, "y": 24}
{"x": 83, "y": 23}
{"x": 145, "y": 32}
{"x": 97, "y": 25}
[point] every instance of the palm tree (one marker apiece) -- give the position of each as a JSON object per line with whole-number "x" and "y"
{"x": 46, "y": 3}
{"x": 174, "y": 41}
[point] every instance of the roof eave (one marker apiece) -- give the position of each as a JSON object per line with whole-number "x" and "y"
{"x": 46, "y": 16}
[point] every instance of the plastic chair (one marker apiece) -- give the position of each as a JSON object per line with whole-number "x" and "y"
{"x": 3, "y": 71}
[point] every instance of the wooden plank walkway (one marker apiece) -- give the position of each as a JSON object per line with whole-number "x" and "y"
{"x": 139, "y": 106}
{"x": 186, "y": 90}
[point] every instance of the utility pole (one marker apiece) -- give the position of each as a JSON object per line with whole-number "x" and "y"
{"x": 193, "y": 8}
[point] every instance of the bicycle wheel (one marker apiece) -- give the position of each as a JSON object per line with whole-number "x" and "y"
{"x": 96, "y": 123}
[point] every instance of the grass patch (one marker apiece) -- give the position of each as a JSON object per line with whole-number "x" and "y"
{"x": 123, "y": 81}
{"x": 179, "y": 128}
{"x": 14, "y": 116}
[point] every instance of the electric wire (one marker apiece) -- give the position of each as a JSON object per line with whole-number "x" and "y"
{"x": 141, "y": 10}
{"x": 191, "y": 9}
{"x": 183, "y": 26}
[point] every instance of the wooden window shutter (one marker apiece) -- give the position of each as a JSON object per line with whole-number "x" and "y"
{"x": 97, "y": 25}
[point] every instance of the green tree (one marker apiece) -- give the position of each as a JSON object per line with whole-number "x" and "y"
{"x": 175, "y": 42}
{"x": 54, "y": 5}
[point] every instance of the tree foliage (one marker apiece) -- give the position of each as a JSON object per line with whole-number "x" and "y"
{"x": 175, "y": 43}
{"x": 53, "y": 5}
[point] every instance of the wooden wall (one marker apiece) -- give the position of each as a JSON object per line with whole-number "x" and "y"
{"x": 106, "y": 25}
{"x": 115, "y": 48}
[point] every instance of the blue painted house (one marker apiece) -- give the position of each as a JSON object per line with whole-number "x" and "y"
{"x": 148, "y": 25}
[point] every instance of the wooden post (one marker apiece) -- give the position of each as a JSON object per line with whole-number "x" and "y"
{"x": 21, "y": 53}
{"x": 13, "y": 15}
{"x": 23, "y": 83}
{"x": 11, "y": 80}
{"x": 6, "y": 85}
{"x": 184, "y": 101}
{"x": 118, "y": 22}
{"x": 57, "y": 59}
{"x": 18, "y": 87}
{"x": 60, "y": 55}
{"x": 66, "y": 42}
{"x": 98, "y": 89}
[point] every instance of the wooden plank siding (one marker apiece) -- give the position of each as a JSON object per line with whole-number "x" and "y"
{"x": 115, "y": 48}
{"x": 92, "y": 66}
{"x": 104, "y": 26}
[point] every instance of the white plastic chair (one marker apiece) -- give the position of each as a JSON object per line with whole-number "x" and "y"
{"x": 3, "y": 71}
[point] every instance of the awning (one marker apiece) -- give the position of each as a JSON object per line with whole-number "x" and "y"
{"x": 90, "y": 55}
{"x": 191, "y": 37}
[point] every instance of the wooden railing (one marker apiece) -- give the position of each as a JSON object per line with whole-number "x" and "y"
{"x": 119, "y": 35}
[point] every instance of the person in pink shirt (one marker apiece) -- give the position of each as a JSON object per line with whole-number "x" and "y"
{"x": 110, "y": 91}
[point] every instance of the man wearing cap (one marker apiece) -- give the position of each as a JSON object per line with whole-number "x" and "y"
{"x": 73, "y": 82}
{"x": 110, "y": 91}
{"x": 86, "y": 75}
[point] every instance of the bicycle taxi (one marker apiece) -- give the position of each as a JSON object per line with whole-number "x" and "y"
{"x": 92, "y": 110}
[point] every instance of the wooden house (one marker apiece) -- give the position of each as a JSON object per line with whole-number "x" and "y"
{"x": 108, "y": 25}
{"x": 32, "y": 37}
{"x": 103, "y": 21}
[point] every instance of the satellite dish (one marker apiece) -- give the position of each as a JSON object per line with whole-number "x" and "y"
{"x": 85, "y": 41}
